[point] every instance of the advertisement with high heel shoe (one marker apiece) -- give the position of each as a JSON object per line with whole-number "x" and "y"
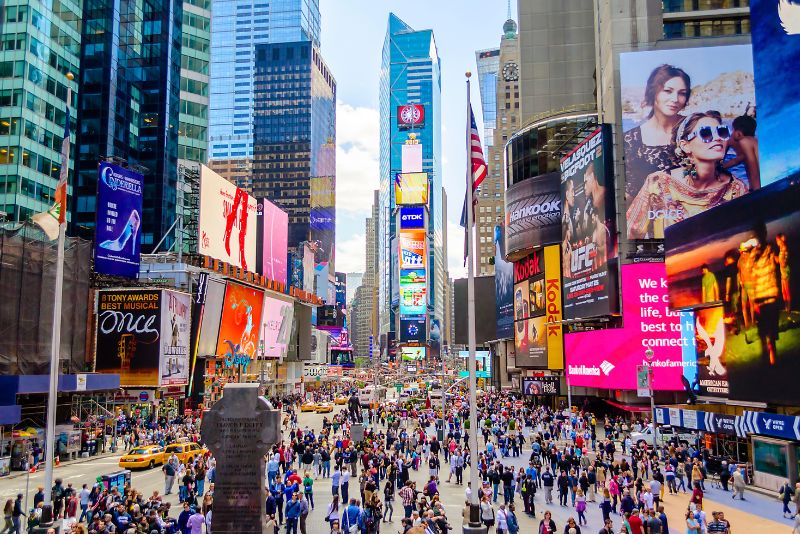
{"x": 119, "y": 208}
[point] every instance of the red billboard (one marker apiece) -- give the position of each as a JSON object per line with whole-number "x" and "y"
{"x": 238, "y": 328}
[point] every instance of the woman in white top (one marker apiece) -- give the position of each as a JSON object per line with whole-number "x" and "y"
{"x": 487, "y": 512}
{"x": 502, "y": 520}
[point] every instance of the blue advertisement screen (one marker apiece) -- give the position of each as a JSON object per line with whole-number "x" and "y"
{"x": 412, "y": 217}
{"x": 119, "y": 208}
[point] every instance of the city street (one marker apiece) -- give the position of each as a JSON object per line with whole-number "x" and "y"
{"x": 759, "y": 514}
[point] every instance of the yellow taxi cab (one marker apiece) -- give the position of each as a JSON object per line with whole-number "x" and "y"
{"x": 324, "y": 407}
{"x": 147, "y": 456}
{"x": 342, "y": 400}
{"x": 308, "y": 407}
{"x": 184, "y": 451}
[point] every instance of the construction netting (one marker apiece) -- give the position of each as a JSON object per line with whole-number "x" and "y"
{"x": 27, "y": 298}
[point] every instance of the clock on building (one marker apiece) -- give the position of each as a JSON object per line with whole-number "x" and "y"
{"x": 511, "y": 72}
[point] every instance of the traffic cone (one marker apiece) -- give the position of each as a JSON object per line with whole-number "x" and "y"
{"x": 58, "y": 461}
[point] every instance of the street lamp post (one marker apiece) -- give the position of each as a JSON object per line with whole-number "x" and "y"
{"x": 648, "y": 354}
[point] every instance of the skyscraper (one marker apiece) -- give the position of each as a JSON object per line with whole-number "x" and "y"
{"x": 294, "y": 129}
{"x": 500, "y": 101}
{"x": 38, "y": 47}
{"x": 410, "y": 75}
{"x": 238, "y": 26}
{"x": 195, "y": 68}
{"x": 129, "y": 105}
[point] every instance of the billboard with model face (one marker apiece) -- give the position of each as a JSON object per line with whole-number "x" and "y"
{"x": 503, "y": 287}
{"x": 775, "y": 32}
{"x": 119, "y": 208}
{"x": 238, "y": 328}
{"x": 228, "y": 221}
{"x": 741, "y": 255}
{"x": 274, "y": 253}
{"x": 682, "y": 155}
{"x": 589, "y": 242}
{"x": 608, "y": 358}
{"x": 175, "y": 338}
{"x": 533, "y": 213}
{"x": 541, "y": 385}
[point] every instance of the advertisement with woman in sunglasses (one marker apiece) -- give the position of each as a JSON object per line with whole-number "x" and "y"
{"x": 681, "y": 152}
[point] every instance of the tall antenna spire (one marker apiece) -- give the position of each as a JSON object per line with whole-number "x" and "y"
{"x": 509, "y": 9}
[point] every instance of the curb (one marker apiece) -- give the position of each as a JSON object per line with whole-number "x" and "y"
{"x": 19, "y": 474}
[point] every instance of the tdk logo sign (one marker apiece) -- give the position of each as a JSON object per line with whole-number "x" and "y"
{"x": 412, "y": 217}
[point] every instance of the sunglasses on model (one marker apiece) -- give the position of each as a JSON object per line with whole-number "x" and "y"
{"x": 706, "y": 133}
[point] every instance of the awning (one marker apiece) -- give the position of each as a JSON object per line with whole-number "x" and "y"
{"x": 635, "y": 408}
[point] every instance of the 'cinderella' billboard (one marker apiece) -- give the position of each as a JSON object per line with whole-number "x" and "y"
{"x": 119, "y": 208}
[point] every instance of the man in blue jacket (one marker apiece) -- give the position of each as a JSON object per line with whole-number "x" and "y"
{"x": 293, "y": 509}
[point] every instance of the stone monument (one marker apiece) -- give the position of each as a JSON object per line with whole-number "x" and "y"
{"x": 239, "y": 430}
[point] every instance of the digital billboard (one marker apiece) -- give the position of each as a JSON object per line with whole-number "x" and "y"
{"x": 412, "y": 217}
{"x": 413, "y": 299}
{"x": 533, "y": 213}
{"x": 128, "y": 336}
{"x": 483, "y": 363}
{"x": 228, "y": 221}
{"x": 411, "y": 354}
{"x": 608, "y": 358}
{"x": 537, "y": 310}
{"x": 413, "y": 245}
{"x": 775, "y": 33}
{"x": 541, "y": 385}
{"x": 339, "y": 337}
{"x": 589, "y": 243}
{"x": 741, "y": 255}
{"x": 503, "y": 287}
{"x": 341, "y": 290}
{"x": 275, "y": 240}
{"x": 276, "y": 326}
{"x": 118, "y": 219}
{"x": 709, "y": 376}
{"x": 238, "y": 329}
{"x": 411, "y": 188}
{"x": 410, "y": 116}
{"x": 322, "y": 218}
{"x": 681, "y": 157}
{"x": 176, "y": 329}
{"x": 413, "y": 330}
{"x": 412, "y": 276}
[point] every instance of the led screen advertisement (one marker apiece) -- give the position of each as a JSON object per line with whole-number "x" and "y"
{"x": 238, "y": 329}
{"x": 741, "y": 255}
{"x": 533, "y": 213}
{"x": 412, "y": 217}
{"x": 589, "y": 244}
{"x": 413, "y": 299}
{"x": 413, "y": 246}
{"x": 143, "y": 335}
{"x": 483, "y": 363}
{"x": 322, "y": 219}
{"x": 503, "y": 287}
{"x": 412, "y": 354}
{"x": 413, "y": 330}
{"x": 228, "y": 221}
{"x": 411, "y": 188}
{"x": 274, "y": 243}
{"x": 709, "y": 376}
{"x": 176, "y": 328}
{"x": 541, "y": 385}
{"x": 410, "y": 116}
{"x": 775, "y": 32}
{"x": 608, "y": 358}
{"x": 119, "y": 208}
{"x": 678, "y": 109}
{"x": 537, "y": 310}
{"x": 276, "y": 326}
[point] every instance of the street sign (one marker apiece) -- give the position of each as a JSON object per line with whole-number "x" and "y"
{"x": 519, "y": 404}
{"x": 643, "y": 380}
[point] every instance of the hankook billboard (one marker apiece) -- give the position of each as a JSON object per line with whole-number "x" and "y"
{"x": 533, "y": 213}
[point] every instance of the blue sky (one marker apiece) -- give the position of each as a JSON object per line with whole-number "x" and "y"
{"x": 352, "y": 38}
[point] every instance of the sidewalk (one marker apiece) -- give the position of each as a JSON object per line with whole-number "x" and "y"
{"x": 19, "y": 474}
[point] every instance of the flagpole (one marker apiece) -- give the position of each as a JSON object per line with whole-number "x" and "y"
{"x": 474, "y": 480}
{"x": 55, "y": 339}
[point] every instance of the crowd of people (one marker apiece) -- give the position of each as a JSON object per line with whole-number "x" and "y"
{"x": 529, "y": 457}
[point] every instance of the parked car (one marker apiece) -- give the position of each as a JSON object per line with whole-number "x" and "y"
{"x": 148, "y": 456}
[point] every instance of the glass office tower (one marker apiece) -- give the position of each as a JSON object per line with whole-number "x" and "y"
{"x": 129, "y": 106}
{"x": 410, "y": 74}
{"x": 39, "y": 44}
{"x": 294, "y": 127}
{"x": 195, "y": 68}
{"x": 238, "y": 26}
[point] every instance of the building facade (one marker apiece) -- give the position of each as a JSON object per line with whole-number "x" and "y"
{"x": 238, "y": 26}
{"x": 410, "y": 74}
{"x": 505, "y": 118}
{"x": 195, "y": 83}
{"x": 38, "y": 46}
{"x": 129, "y": 104}
{"x": 294, "y": 133}
{"x": 488, "y": 62}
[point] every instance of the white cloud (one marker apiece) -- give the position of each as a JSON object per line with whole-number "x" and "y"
{"x": 455, "y": 250}
{"x": 357, "y": 155}
{"x": 351, "y": 254}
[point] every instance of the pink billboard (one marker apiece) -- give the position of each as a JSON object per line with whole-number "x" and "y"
{"x": 275, "y": 241}
{"x": 608, "y": 358}
{"x": 276, "y": 326}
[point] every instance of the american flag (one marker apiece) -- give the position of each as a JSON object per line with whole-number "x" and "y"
{"x": 478, "y": 165}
